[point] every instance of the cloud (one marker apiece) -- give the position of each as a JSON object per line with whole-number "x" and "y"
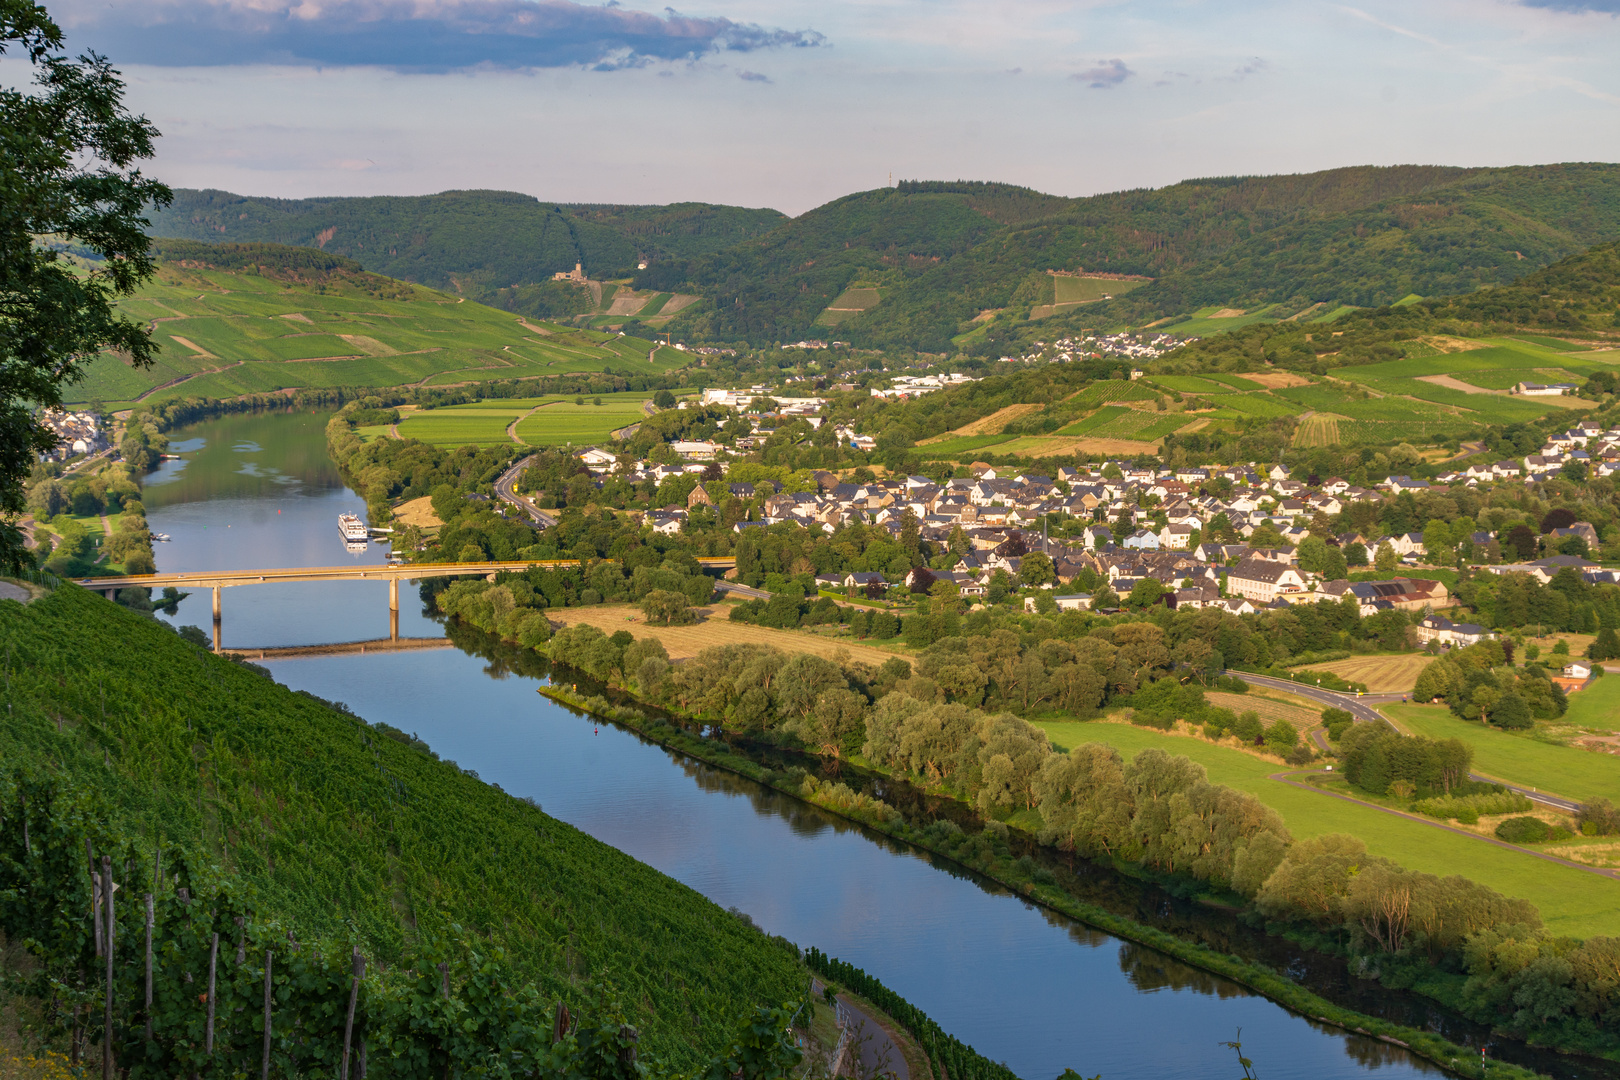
{"x": 1107, "y": 74}
{"x": 409, "y": 35}
{"x": 1611, "y": 7}
{"x": 753, "y": 76}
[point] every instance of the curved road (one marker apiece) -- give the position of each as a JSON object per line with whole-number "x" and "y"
{"x": 1362, "y": 709}
{"x": 506, "y": 491}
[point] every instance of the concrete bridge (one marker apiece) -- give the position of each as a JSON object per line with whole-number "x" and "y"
{"x": 218, "y": 580}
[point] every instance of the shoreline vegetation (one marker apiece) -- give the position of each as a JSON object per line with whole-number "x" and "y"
{"x": 996, "y": 863}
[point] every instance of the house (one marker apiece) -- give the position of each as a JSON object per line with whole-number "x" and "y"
{"x": 861, "y": 579}
{"x": 1141, "y": 540}
{"x": 1575, "y": 676}
{"x": 1236, "y": 605}
{"x": 1403, "y": 594}
{"x": 598, "y": 461}
{"x": 1175, "y": 537}
{"x": 665, "y": 523}
{"x": 1262, "y": 581}
{"x": 695, "y": 451}
{"x": 1065, "y": 602}
{"x": 1530, "y": 389}
{"x": 1196, "y": 597}
{"x": 1441, "y": 629}
{"x": 1097, "y": 536}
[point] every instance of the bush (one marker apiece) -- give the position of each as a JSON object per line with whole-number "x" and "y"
{"x": 1598, "y": 818}
{"x": 1529, "y": 830}
{"x": 1336, "y": 721}
{"x": 1454, "y": 806}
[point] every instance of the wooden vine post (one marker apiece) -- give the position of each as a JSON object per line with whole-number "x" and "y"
{"x": 354, "y": 999}
{"x": 150, "y": 917}
{"x": 264, "y": 1067}
{"x": 107, "y": 1067}
{"x": 213, "y": 961}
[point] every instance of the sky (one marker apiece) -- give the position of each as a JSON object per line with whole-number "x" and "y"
{"x": 793, "y": 103}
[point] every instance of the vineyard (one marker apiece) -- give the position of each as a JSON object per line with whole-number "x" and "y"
{"x": 356, "y": 832}
{"x": 183, "y": 975}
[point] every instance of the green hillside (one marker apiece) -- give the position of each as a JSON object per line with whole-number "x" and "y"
{"x": 499, "y": 247}
{"x": 1576, "y": 297}
{"x": 342, "y": 824}
{"x": 947, "y": 253}
{"x": 236, "y": 319}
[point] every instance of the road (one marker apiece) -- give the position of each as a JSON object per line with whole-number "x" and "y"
{"x": 742, "y": 590}
{"x": 506, "y": 491}
{"x": 1362, "y": 709}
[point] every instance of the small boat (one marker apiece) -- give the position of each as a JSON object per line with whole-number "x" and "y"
{"x": 352, "y": 528}
{"x": 161, "y": 538}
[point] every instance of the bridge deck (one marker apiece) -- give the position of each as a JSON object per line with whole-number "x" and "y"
{"x": 203, "y": 579}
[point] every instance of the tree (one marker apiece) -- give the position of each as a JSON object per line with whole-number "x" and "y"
{"x": 1606, "y": 646}
{"x": 1521, "y": 540}
{"x": 68, "y": 171}
{"x": 1511, "y": 712}
{"x": 668, "y": 608}
{"x": 664, "y": 399}
{"x": 922, "y": 580}
{"x": 1036, "y": 569}
{"x": 1557, "y": 518}
{"x": 1385, "y": 561}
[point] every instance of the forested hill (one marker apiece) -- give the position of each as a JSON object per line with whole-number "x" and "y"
{"x": 940, "y": 254}
{"x": 343, "y": 826}
{"x": 473, "y": 242}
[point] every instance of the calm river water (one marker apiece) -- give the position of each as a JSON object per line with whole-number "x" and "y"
{"x": 1040, "y": 992}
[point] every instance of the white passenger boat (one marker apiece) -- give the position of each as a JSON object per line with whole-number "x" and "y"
{"x": 352, "y": 528}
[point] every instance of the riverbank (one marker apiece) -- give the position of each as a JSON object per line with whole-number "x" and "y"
{"x": 989, "y": 854}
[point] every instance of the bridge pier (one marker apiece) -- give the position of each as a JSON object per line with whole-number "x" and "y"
{"x": 393, "y": 609}
{"x": 217, "y": 591}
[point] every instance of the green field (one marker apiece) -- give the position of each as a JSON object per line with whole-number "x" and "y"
{"x": 1191, "y": 384}
{"x": 223, "y": 334}
{"x": 564, "y": 422}
{"x": 1201, "y": 325}
{"x": 1107, "y": 390}
{"x": 1082, "y": 290}
{"x": 964, "y": 445}
{"x": 1598, "y": 706}
{"x": 549, "y": 420}
{"x": 849, "y": 303}
{"x": 1571, "y": 901}
{"x": 1521, "y": 759}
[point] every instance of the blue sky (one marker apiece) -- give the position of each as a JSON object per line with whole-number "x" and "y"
{"x": 790, "y": 104}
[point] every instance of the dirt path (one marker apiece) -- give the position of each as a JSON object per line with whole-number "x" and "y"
{"x": 511, "y": 429}
{"x": 1283, "y": 778}
{"x": 106, "y": 525}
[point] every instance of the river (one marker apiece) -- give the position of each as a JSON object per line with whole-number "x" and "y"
{"x": 1040, "y": 992}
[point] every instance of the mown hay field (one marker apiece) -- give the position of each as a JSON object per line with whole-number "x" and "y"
{"x": 1381, "y": 674}
{"x": 715, "y": 629}
{"x": 1270, "y": 710}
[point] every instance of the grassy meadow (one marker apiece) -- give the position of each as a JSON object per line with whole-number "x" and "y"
{"x": 224, "y": 334}
{"x": 1524, "y": 759}
{"x": 552, "y": 420}
{"x": 1571, "y": 901}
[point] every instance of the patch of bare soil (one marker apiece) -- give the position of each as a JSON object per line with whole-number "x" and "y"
{"x": 1452, "y": 344}
{"x": 988, "y": 425}
{"x": 1456, "y": 384}
{"x": 296, "y": 317}
{"x": 369, "y": 345}
{"x": 1228, "y": 313}
{"x": 193, "y": 346}
{"x": 1276, "y": 380}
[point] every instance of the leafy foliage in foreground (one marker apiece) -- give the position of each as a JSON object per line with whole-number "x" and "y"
{"x": 344, "y": 828}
